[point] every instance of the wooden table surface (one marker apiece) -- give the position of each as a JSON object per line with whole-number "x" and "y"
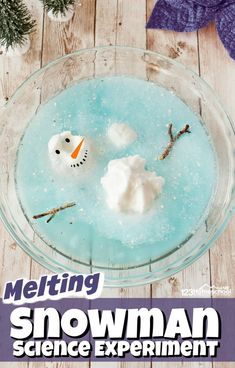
{"x": 122, "y": 22}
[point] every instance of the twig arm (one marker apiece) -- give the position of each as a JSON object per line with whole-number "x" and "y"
{"x": 54, "y": 211}
{"x": 186, "y": 129}
{"x": 170, "y": 133}
{"x": 167, "y": 150}
{"x": 173, "y": 139}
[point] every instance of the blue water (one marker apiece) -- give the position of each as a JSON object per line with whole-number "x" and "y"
{"x": 91, "y": 229}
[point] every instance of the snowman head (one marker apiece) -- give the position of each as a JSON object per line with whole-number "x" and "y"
{"x": 68, "y": 152}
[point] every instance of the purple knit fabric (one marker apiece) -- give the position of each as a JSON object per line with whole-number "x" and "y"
{"x": 190, "y": 15}
{"x": 225, "y": 23}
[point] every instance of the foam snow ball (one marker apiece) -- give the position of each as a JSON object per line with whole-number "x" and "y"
{"x": 121, "y": 135}
{"x": 129, "y": 187}
{"x": 69, "y": 154}
{"x": 62, "y": 17}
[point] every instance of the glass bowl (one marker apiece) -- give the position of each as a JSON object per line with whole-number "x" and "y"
{"x": 113, "y": 61}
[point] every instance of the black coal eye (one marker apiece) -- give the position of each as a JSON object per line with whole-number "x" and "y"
{"x": 67, "y": 140}
{"x": 57, "y": 151}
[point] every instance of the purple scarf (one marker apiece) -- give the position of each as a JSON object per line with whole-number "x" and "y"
{"x": 190, "y": 15}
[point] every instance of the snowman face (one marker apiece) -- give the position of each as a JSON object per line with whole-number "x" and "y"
{"x": 68, "y": 152}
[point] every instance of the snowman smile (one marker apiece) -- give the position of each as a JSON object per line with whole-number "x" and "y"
{"x": 83, "y": 160}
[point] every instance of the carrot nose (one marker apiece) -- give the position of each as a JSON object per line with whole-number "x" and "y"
{"x": 75, "y": 153}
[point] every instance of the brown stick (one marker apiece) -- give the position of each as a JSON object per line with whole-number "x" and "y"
{"x": 54, "y": 211}
{"x": 173, "y": 139}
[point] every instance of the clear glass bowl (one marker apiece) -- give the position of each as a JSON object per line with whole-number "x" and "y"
{"x": 111, "y": 61}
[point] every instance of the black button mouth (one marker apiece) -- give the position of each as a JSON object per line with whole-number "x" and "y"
{"x": 83, "y": 160}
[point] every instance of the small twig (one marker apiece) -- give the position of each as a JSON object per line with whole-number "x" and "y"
{"x": 50, "y": 218}
{"x": 173, "y": 139}
{"x": 54, "y": 211}
{"x": 170, "y": 133}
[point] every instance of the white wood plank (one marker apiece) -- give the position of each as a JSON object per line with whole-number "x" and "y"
{"x": 184, "y": 48}
{"x": 118, "y": 23}
{"x": 13, "y": 365}
{"x": 63, "y": 38}
{"x": 131, "y": 21}
{"x": 15, "y": 263}
{"x": 106, "y": 22}
{"x": 218, "y": 69}
{"x": 13, "y": 71}
{"x": 60, "y": 39}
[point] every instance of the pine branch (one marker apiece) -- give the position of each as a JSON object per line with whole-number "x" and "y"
{"x": 15, "y": 23}
{"x": 173, "y": 139}
{"x": 58, "y": 6}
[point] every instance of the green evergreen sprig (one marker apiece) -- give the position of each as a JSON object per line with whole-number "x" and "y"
{"x": 58, "y": 6}
{"x": 15, "y": 23}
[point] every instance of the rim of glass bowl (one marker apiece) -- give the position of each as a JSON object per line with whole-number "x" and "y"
{"x": 146, "y": 277}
